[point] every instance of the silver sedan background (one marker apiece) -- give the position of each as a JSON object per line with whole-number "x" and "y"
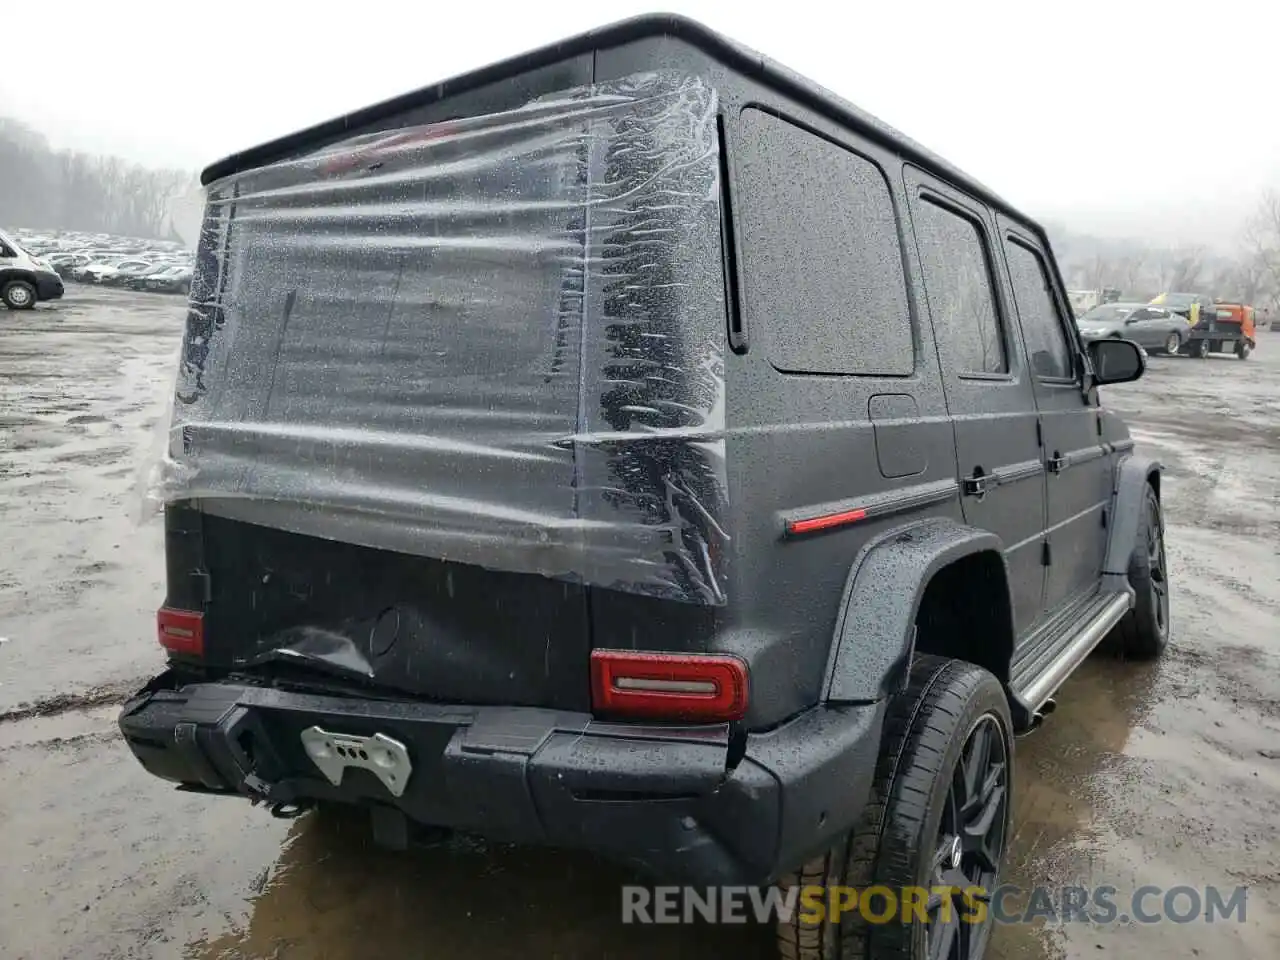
{"x": 1151, "y": 326}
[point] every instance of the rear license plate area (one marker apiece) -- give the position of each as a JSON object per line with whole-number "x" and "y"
{"x": 383, "y": 756}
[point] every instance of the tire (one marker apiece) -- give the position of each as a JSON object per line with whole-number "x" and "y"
{"x": 948, "y": 706}
{"x": 1172, "y": 344}
{"x": 1200, "y": 349}
{"x": 1143, "y": 634}
{"x": 1243, "y": 350}
{"x": 18, "y": 295}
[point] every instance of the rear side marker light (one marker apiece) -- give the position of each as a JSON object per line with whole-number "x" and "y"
{"x": 825, "y": 522}
{"x": 707, "y": 688}
{"x": 180, "y": 631}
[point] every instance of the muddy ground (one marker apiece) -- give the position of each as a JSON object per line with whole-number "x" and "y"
{"x": 1166, "y": 774}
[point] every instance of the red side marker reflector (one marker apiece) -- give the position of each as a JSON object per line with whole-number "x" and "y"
{"x": 181, "y": 631}
{"x": 707, "y": 688}
{"x": 826, "y": 522}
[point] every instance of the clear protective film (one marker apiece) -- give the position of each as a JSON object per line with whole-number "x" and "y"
{"x": 497, "y": 340}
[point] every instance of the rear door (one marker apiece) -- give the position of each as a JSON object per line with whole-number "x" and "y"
{"x": 1147, "y": 326}
{"x": 1078, "y": 468}
{"x": 1158, "y": 326}
{"x": 988, "y": 391}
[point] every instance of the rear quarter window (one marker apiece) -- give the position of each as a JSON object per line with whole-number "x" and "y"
{"x": 822, "y": 276}
{"x": 1042, "y": 328}
{"x": 958, "y": 281}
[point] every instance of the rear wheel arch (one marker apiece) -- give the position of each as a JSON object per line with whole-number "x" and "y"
{"x": 966, "y": 613}
{"x": 878, "y": 630}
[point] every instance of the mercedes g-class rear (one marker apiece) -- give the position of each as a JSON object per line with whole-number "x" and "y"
{"x": 447, "y": 522}
{"x": 450, "y": 413}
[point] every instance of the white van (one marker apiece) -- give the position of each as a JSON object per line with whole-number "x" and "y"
{"x": 25, "y": 280}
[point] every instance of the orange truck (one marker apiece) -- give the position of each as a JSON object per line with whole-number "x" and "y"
{"x": 1228, "y": 328}
{"x": 1216, "y": 326}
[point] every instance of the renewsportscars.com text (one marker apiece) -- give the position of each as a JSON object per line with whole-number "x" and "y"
{"x": 1007, "y": 904}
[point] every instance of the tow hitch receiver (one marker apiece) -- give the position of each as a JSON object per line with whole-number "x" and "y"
{"x": 386, "y": 758}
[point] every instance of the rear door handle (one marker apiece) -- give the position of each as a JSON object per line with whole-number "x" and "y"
{"x": 976, "y": 485}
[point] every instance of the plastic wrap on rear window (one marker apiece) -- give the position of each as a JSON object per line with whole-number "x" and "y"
{"x": 496, "y": 340}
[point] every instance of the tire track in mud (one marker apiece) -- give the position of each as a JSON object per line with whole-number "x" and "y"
{"x": 100, "y": 696}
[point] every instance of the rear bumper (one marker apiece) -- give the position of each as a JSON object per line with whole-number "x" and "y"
{"x": 664, "y": 800}
{"x": 48, "y": 286}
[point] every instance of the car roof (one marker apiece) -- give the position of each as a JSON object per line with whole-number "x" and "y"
{"x": 1128, "y": 304}
{"x": 717, "y": 46}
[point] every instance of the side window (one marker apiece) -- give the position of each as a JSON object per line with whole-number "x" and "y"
{"x": 1041, "y": 326}
{"x": 957, "y": 280}
{"x": 5, "y": 251}
{"x": 822, "y": 277}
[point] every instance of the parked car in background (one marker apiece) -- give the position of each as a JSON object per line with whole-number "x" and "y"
{"x": 1149, "y": 326}
{"x": 126, "y": 273}
{"x": 97, "y": 268}
{"x": 65, "y": 264}
{"x": 136, "y": 279}
{"x": 105, "y": 260}
{"x": 25, "y": 279}
{"x": 125, "y": 268}
{"x": 174, "y": 279}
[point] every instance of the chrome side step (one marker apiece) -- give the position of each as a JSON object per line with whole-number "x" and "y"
{"x": 1039, "y": 690}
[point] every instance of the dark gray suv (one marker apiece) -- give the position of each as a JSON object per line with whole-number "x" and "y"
{"x": 633, "y": 447}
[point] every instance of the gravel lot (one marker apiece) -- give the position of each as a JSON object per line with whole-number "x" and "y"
{"x": 1164, "y": 774}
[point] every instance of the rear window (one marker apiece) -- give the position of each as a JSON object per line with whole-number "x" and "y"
{"x": 957, "y": 278}
{"x": 497, "y": 341}
{"x": 1107, "y": 314}
{"x": 822, "y": 260}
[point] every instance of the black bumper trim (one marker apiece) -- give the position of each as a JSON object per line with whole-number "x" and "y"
{"x": 48, "y": 286}
{"x": 659, "y": 799}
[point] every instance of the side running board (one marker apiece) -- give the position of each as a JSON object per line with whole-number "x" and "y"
{"x": 1040, "y": 688}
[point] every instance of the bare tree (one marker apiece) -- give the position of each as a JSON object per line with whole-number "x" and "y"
{"x": 1131, "y": 271}
{"x": 1262, "y": 246}
{"x": 1246, "y": 280}
{"x": 62, "y": 189}
{"x": 1181, "y": 268}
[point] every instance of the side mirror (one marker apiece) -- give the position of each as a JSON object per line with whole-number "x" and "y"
{"x": 1116, "y": 361}
{"x": 1130, "y": 319}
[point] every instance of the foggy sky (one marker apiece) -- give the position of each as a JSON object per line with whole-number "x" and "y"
{"x": 1078, "y": 111}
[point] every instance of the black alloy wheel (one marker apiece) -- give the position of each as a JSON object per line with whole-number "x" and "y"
{"x": 971, "y": 842}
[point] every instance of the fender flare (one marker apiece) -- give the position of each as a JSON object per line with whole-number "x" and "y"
{"x": 1132, "y": 475}
{"x": 875, "y": 632}
{"x": 17, "y": 273}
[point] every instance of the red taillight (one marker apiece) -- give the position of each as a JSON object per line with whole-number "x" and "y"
{"x": 710, "y": 688}
{"x": 181, "y": 631}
